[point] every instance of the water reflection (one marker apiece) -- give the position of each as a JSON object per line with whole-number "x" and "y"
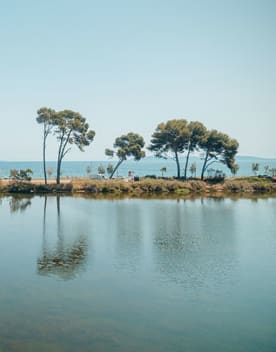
{"x": 65, "y": 260}
{"x": 192, "y": 245}
{"x": 128, "y": 235}
{"x": 19, "y": 203}
{"x": 166, "y": 275}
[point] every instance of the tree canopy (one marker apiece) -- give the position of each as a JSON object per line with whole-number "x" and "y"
{"x": 170, "y": 139}
{"x": 197, "y": 131}
{"x": 127, "y": 145}
{"x": 218, "y": 147}
{"x": 70, "y": 128}
{"x": 176, "y": 137}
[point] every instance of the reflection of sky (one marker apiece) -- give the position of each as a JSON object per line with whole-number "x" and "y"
{"x": 192, "y": 246}
{"x": 163, "y": 273}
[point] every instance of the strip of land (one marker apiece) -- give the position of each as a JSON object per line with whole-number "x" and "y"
{"x": 146, "y": 186}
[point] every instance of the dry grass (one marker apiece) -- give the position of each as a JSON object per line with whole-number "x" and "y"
{"x": 143, "y": 187}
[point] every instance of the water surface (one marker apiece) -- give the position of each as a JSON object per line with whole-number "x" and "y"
{"x": 137, "y": 275}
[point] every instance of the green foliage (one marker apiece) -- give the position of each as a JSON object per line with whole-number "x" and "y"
{"x": 109, "y": 152}
{"x": 101, "y": 170}
{"x": 70, "y": 128}
{"x": 170, "y": 139}
{"x": 163, "y": 170}
{"x": 110, "y": 169}
{"x": 251, "y": 184}
{"x": 197, "y": 132}
{"x": 218, "y": 147}
{"x": 45, "y": 117}
{"x": 127, "y": 145}
{"x": 177, "y": 136}
{"x": 130, "y": 145}
{"x": 20, "y": 187}
{"x": 235, "y": 169}
{"x": 255, "y": 168}
{"x": 21, "y": 175}
{"x": 193, "y": 169}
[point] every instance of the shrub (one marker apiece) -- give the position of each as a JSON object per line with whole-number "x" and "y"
{"x": 21, "y": 175}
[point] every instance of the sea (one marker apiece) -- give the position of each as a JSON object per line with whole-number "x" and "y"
{"x": 147, "y": 166}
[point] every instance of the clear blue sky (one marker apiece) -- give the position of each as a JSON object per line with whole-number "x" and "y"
{"x": 129, "y": 65}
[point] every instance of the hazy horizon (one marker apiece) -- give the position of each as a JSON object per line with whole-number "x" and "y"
{"x": 147, "y": 157}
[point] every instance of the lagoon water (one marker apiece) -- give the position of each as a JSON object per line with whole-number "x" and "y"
{"x": 82, "y": 274}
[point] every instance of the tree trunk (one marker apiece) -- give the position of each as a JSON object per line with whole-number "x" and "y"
{"x": 44, "y": 155}
{"x": 204, "y": 165}
{"x": 177, "y": 165}
{"x": 58, "y": 171}
{"x": 44, "y": 162}
{"x": 186, "y": 164}
{"x": 116, "y": 167}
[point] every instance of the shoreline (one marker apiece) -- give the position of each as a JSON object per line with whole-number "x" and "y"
{"x": 163, "y": 188}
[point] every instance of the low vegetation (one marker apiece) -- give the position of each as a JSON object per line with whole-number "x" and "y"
{"x": 145, "y": 186}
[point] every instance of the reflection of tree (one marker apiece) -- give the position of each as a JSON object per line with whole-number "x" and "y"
{"x": 19, "y": 203}
{"x": 192, "y": 246}
{"x": 66, "y": 260}
{"x": 128, "y": 235}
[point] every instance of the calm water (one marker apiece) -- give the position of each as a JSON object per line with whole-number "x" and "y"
{"x": 137, "y": 275}
{"x": 147, "y": 166}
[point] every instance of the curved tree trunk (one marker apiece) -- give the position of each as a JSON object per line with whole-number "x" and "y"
{"x": 204, "y": 166}
{"x": 177, "y": 165}
{"x": 116, "y": 167}
{"x": 62, "y": 152}
{"x": 58, "y": 171}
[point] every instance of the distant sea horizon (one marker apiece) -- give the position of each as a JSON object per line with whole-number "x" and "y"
{"x": 147, "y": 166}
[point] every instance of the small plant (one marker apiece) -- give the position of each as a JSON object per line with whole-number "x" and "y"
{"x": 101, "y": 170}
{"x": 235, "y": 169}
{"x": 110, "y": 169}
{"x": 50, "y": 171}
{"x": 89, "y": 170}
{"x": 266, "y": 169}
{"x": 21, "y": 175}
{"x": 255, "y": 168}
{"x": 193, "y": 170}
{"x": 163, "y": 170}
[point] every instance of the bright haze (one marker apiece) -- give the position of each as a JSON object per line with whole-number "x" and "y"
{"x": 129, "y": 65}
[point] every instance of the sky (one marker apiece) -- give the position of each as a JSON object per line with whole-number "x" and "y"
{"x": 129, "y": 65}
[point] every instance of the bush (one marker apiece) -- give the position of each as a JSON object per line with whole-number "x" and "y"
{"x": 21, "y": 175}
{"x": 151, "y": 176}
{"x": 20, "y": 187}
